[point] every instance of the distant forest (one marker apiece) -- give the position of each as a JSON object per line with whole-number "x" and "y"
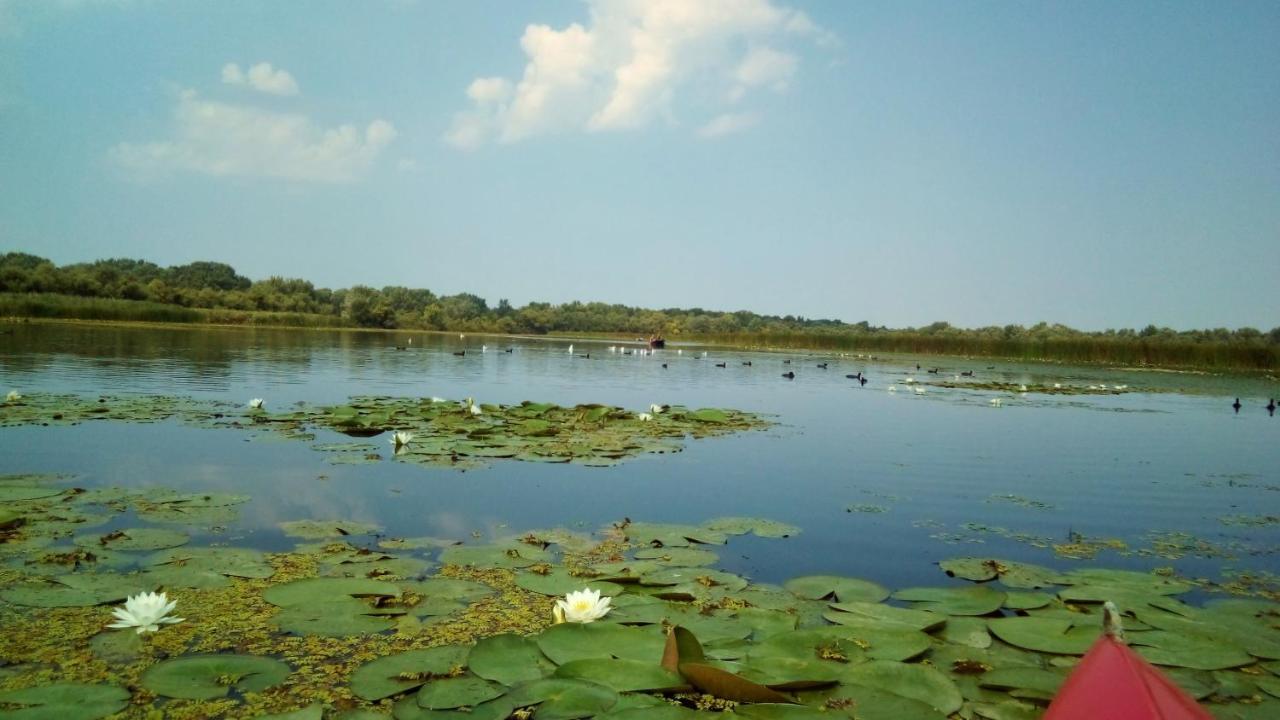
{"x": 123, "y": 289}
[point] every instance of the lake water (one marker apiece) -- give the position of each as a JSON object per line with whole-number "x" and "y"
{"x": 883, "y": 484}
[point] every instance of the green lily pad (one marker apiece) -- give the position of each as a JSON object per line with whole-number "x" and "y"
{"x": 976, "y": 600}
{"x": 670, "y": 535}
{"x": 1047, "y": 634}
{"x": 119, "y": 647}
{"x": 395, "y": 674}
{"x": 573, "y": 641}
{"x": 323, "y": 590}
{"x": 1026, "y": 600}
{"x": 1126, "y": 581}
{"x": 321, "y": 529}
{"x": 922, "y": 620}
{"x": 679, "y": 556}
{"x": 135, "y": 539}
{"x": 64, "y": 701}
{"x": 208, "y": 677}
{"x": 447, "y": 588}
{"x": 842, "y": 589}
{"x": 235, "y": 562}
{"x": 1044, "y": 683}
{"x": 11, "y": 493}
{"x": 876, "y": 704}
{"x": 759, "y": 526}
{"x": 508, "y": 659}
{"x": 76, "y": 590}
{"x": 1013, "y": 574}
{"x": 702, "y": 576}
{"x": 968, "y": 631}
{"x": 340, "y": 617}
{"x": 559, "y": 582}
{"x": 455, "y": 692}
{"x": 914, "y": 681}
{"x": 621, "y": 675}
{"x": 513, "y": 555}
{"x": 1189, "y": 651}
{"x": 563, "y": 698}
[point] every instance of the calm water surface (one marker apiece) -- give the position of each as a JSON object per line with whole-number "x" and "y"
{"x": 882, "y": 483}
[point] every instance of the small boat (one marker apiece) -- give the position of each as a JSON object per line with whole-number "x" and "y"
{"x": 1113, "y": 682}
{"x": 657, "y": 342}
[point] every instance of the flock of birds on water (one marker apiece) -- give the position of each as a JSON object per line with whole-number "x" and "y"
{"x": 859, "y": 377}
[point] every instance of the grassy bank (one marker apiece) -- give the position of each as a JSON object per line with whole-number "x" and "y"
{"x": 1085, "y": 349}
{"x": 70, "y": 307}
{"x": 1136, "y": 352}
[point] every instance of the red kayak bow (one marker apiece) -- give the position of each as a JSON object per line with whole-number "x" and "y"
{"x": 1113, "y": 682}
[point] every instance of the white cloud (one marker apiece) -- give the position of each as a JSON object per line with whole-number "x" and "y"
{"x": 630, "y": 63}
{"x": 222, "y": 139}
{"x": 261, "y": 77}
{"x": 727, "y": 124}
{"x": 764, "y": 67}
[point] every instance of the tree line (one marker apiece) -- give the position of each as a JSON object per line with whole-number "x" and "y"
{"x": 218, "y": 287}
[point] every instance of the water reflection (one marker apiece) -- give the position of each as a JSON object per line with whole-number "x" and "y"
{"x": 946, "y": 472}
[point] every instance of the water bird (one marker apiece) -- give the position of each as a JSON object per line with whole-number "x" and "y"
{"x": 721, "y": 364}
{"x": 854, "y": 377}
{"x": 460, "y": 353}
{"x": 613, "y": 348}
{"x": 789, "y": 375}
{"x": 679, "y": 352}
{"x": 570, "y": 349}
{"x": 585, "y": 355}
{"x": 996, "y": 402}
{"x": 747, "y": 363}
{"x": 1271, "y": 406}
{"x": 822, "y": 365}
{"x": 893, "y": 388}
{"x": 510, "y": 350}
{"x": 704, "y": 353}
{"x": 933, "y": 371}
{"x": 917, "y": 367}
{"x": 484, "y": 348}
{"x": 657, "y": 409}
{"x": 967, "y": 373}
{"x": 786, "y": 362}
{"x": 664, "y": 366}
{"x": 919, "y": 390}
{"x": 1022, "y": 388}
{"x": 862, "y": 382}
{"x": 1236, "y": 405}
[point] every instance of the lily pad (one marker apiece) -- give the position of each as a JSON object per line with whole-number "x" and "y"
{"x": 337, "y": 618}
{"x": 759, "y": 526}
{"x": 395, "y": 674}
{"x": 64, "y": 701}
{"x": 559, "y": 582}
{"x": 842, "y": 589}
{"x": 455, "y": 692}
{"x": 564, "y": 699}
{"x": 914, "y": 681}
{"x": 508, "y": 659}
{"x": 513, "y": 555}
{"x": 1047, "y": 634}
{"x": 977, "y": 600}
{"x": 235, "y": 562}
{"x": 922, "y": 620}
{"x": 135, "y": 539}
{"x": 208, "y": 677}
{"x": 320, "y": 529}
{"x": 572, "y": 641}
{"x": 621, "y": 675}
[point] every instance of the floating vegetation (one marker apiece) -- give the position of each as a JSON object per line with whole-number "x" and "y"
{"x": 866, "y": 508}
{"x": 1250, "y": 520}
{"x": 443, "y": 433}
{"x": 1021, "y": 501}
{"x": 282, "y": 634}
{"x": 1041, "y": 389}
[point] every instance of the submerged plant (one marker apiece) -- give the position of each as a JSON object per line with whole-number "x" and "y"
{"x": 145, "y": 611}
{"x": 581, "y": 606}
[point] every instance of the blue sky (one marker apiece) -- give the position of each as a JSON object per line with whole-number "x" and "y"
{"x": 1096, "y": 164}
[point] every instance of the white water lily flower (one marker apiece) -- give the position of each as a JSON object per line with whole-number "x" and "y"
{"x": 256, "y": 403}
{"x": 435, "y": 399}
{"x": 583, "y": 606}
{"x": 471, "y": 406}
{"x": 644, "y": 417}
{"x": 145, "y": 611}
{"x": 996, "y": 402}
{"x": 401, "y": 437}
{"x": 13, "y": 396}
{"x": 657, "y": 409}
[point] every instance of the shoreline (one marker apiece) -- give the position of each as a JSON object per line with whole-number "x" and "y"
{"x": 628, "y": 338}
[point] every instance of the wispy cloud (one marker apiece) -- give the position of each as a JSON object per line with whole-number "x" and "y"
{"x": 627, "y": 65}
{"x": 261, "y": 77}
{"x": 727, "y": 124}
{"x": 225, "y": 139}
